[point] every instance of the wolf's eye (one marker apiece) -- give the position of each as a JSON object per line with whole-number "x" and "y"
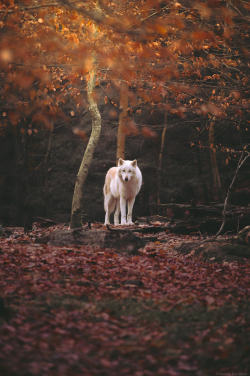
{"x": 123, "y": 170}
{"x": 129, "y": 170}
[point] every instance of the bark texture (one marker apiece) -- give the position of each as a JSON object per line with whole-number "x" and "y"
{"x": 214, "y": 165}
{"x": 121, "y": 134}
{"x": 77, "y": 202}
{"x": 159, "y": 171}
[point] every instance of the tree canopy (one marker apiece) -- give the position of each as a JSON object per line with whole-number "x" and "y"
{"x": 178, "y": 55}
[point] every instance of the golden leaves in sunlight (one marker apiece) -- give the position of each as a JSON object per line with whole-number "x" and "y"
{"x": 202, "y": 35}
{"x": 168, "y": 52}
{"x": 23, "y": 80}
{"x": 181, "y": 46}
{"x": 73, "y": 38}
{"x": 6, "y": 55}
{"x": 159, "y": 27}
{"x": 129, "y": 74}
{"x": 203, "y": 9}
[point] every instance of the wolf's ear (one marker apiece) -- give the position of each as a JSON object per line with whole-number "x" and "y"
{"x": 134, "y": 163}
{"x": 120, "y": 162}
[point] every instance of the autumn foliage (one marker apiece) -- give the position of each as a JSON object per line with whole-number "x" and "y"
{"x": 180, "y": 56}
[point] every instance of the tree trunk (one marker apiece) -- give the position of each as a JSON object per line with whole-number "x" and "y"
{"x": 214, "y": 166}
{"x": 77, "y": 202}
{"x": 159, "y": 171}
{"x": 121, "y": 134}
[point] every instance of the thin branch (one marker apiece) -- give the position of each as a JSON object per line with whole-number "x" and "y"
{"x": 35, "y": 7}
{"x": 99, "y": 16}
{"x": 27, "y": 9}
{"x": 156, "y": 13}
{"x": 241, "y": 161}
{"x": 95, "y": 14}
{"x": 40, "y": 65}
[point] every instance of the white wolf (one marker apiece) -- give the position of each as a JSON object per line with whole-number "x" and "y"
{"x": 122, "y": 184}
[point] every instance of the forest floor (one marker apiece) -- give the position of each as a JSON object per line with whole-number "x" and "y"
{"x": 80, "y": 310}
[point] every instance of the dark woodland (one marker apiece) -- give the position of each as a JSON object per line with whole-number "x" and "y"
{"x": 84, "y": 83}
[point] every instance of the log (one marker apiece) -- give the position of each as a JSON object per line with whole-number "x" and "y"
{"x": 216, "y": 250}
{"x": 187, "y": 218}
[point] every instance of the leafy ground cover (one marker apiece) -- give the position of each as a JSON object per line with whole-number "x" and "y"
{"x": 83, "y": 311}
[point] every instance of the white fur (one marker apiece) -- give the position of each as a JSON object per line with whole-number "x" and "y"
{"x": 122, "y": 184}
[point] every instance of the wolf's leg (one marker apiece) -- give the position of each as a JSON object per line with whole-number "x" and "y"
{"x": 109, "y": 206}
{"x": 107, "y": 212}
{"x": 123, "y": 210}
{"x": 106, "y": 222}
{"x": 130, "y": 211}
{"x": 117, "y": 212}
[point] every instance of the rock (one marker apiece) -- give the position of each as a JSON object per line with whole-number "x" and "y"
{"x": 120, "y": 240}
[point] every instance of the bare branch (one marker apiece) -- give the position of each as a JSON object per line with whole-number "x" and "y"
{"x": 27, "y": 9}
{"x": 244, "y": 156}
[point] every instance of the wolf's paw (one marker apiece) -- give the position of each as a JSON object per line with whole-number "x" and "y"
{"x": 130, "y": 223}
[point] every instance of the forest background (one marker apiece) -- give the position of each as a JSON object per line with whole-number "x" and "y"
{"x": 171, "y": 85}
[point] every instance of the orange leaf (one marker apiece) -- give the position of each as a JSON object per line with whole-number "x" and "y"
{"x": 161, "y": 29}
{"x": 202, "y": 35}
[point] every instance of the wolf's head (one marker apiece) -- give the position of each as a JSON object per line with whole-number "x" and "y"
{"x": 127, "y": 169}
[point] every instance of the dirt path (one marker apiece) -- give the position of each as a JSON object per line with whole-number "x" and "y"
{"x": 80, "y": 310}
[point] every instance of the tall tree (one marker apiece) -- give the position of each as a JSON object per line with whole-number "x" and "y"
{"x": 159, "y": 170}
{"x": 78, "y": 196}
{"x": 121, "y": 133}
{"x": 214, "y": 166}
